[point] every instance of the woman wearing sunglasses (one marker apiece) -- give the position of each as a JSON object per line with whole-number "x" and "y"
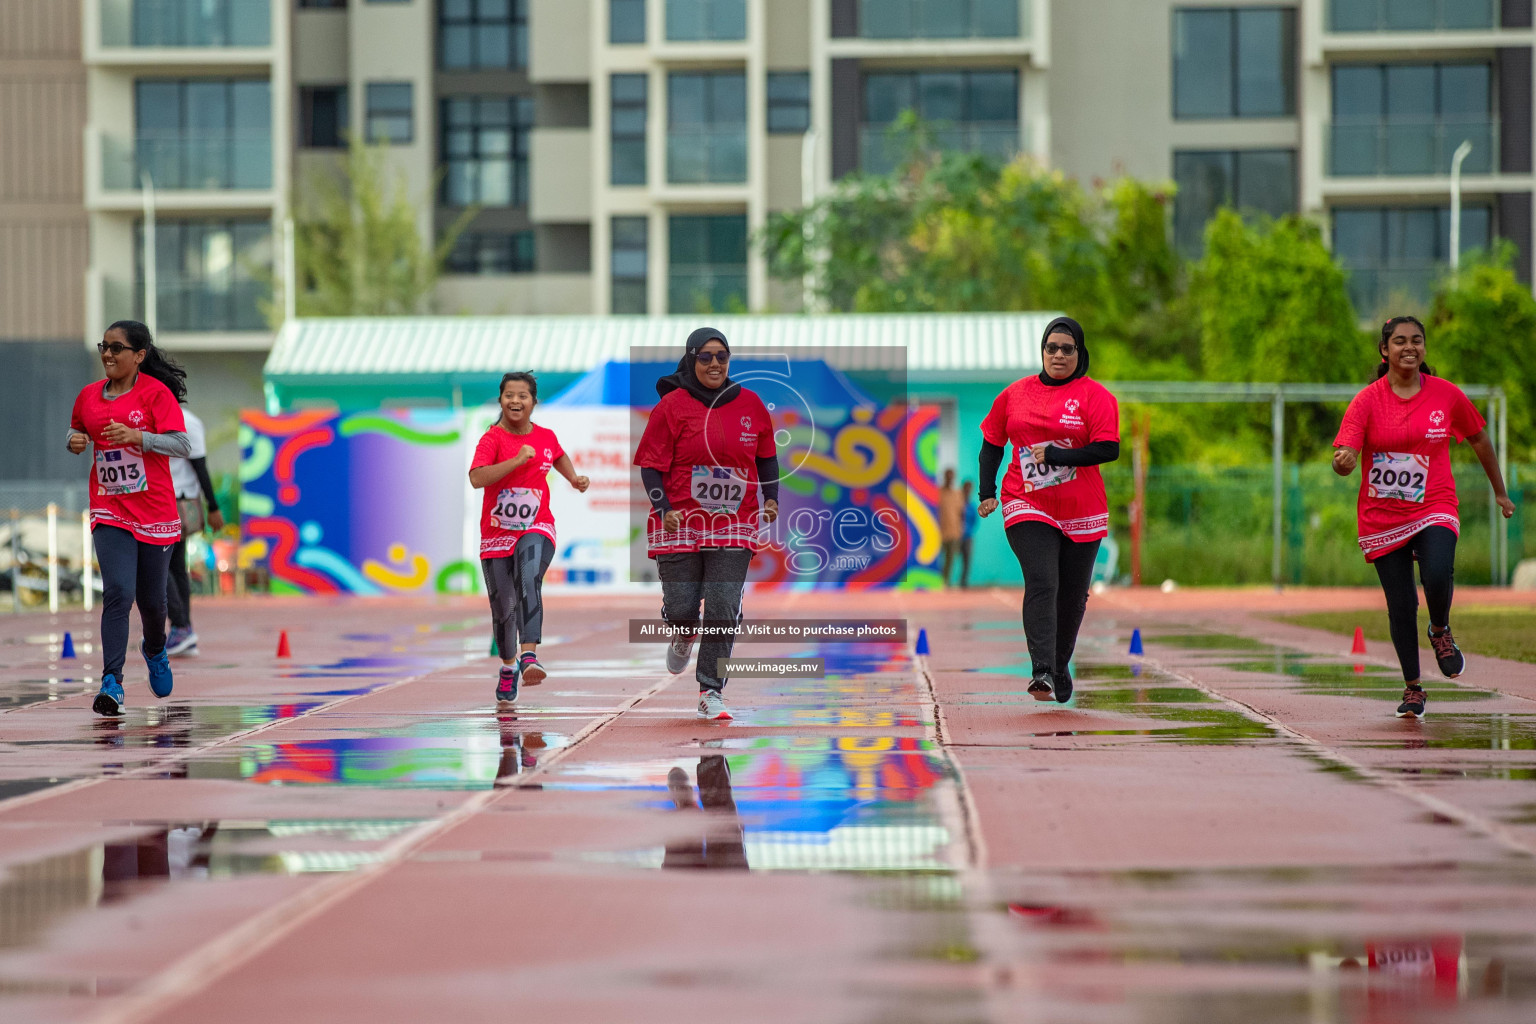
{"x": 134, "y": 423}
{"x": 707, "y": 448}
{"x": 1062, "y": 426}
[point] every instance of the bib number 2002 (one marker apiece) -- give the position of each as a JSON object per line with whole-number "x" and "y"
{"x": 516, "y": 508}
{"x": 1397, "y": 475}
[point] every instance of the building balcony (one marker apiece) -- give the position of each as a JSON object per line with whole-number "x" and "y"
{"x": 943, "y": 19}
{"x": 697, "y": 21}
{"x": 881, "y": 150}
{"x": 1412, "y": 15}
{"x": 707, "y": 289}
{"x": 240, "y": 162}
{"x": 706, "y": 156}
{"x": 1375, "y": 290}
{"x": 180, "y": 34}
{"x": 1410, "y": 148}
{"x": 231, "y": 303}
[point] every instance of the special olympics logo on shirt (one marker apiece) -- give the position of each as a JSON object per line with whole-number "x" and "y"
{"x": 549, "y": 453}
{"x": 746, "y": 423}
{"x": 1070, "y": 418}
{"x": 136, "y": 419}
{"x": 1437, "y": 417}
{"x": 1072, "y": 406}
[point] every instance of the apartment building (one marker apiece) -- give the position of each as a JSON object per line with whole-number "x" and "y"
{"x": 621, "y": 153}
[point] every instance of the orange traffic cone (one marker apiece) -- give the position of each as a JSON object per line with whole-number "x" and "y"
{"x": 283, "y": 650}
{"x": 1359, "y": 645}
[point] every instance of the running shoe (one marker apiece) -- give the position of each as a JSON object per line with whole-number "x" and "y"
{"x": 712, "y": 706}
{"x": 1449, "y": 656}
{"x": 532, "y": 672}
{"x": 1414, "y": 701}
{"x": 1040, "y": 687}
{"x": 678, "y": 653}
{"x": 182, "y": 643}
{"x": 681, "y": 790}
{"x": 109, "y": 702}
{"x": 1061, "y": 683}
{"x": 506, "y": 685}
{"x": 160, "y": 680}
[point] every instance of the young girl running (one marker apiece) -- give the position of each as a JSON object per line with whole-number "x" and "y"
{"x": 517, "y": 527}
{"x": 133, "y": 419}
{"x": 1399, "y": 430}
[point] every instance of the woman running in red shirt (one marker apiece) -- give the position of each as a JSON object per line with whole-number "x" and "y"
{"x": 706, "y": 449}
{"x": 1399, "y": 429}
{"x": 133, "y": 419}
{"x": 517, "y": 527}
{"x": 1062, "y": 426}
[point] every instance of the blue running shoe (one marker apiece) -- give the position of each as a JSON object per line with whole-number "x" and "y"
{"x": 109, "y": 702}
{"x": 160, "y": 680}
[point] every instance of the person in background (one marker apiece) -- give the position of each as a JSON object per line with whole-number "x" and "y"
{"x": 193, "y": 487}
{"x": 968, "y": 520}
{"x": 951, "y": 523}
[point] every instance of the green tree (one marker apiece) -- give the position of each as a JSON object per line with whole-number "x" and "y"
{"x": 357, "y": 247}
{"x": 1481, "y": 326}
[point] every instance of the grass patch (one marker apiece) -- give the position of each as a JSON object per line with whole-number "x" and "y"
{"x": 1493, "y": 630}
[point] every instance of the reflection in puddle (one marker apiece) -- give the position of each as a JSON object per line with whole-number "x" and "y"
{"x": 798, "y": 804}
{"x": 1199, "y": 718}
{"x": 1468, "y": 732}
{"x": 42, "y": 691}
{"x": 1208, "y": 641}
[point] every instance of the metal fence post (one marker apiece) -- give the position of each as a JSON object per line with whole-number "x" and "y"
{"x": 53, "y": 558}
{"x": 1277, "y": 456}
{"x": 87, "y": 582}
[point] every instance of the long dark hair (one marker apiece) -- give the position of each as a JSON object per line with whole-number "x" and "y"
{"x": 156, "y": 363}
{"x": 1386, "y": 333}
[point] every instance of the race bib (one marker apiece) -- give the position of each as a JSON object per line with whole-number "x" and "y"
{"x": 718, "y": 489}
{"x": 120, "y": 471}
{"x": 516, "y": 508}
{"x": 1396, "y": 475}
{"x": 1038, "y": 476}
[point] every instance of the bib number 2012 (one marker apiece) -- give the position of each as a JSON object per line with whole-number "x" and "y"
{"x": 1397, "y": 476}
{"x": 718, "y": 490}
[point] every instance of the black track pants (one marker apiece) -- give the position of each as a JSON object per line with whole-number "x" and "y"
{"x": 131, "y": 571}
{"x": 1057, "y": 572}
{"x": 515, "y": 585}
{"x": 1435, "y": 547}
{"x": 714, "y": 577}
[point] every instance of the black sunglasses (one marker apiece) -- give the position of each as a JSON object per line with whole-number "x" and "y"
{"x": 1052, "y": 349}
{"x": 117, "y": 348}
{"x": 713, "y": 357}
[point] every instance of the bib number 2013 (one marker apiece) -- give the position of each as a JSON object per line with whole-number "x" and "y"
{"x": 516, "y": 508}
{"x": 717, "y": 489}
{"x": 1397, "y": 475}
{"x": 120, "y": 471}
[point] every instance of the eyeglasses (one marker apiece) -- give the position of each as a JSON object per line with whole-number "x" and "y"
{"x": 1051, "y": 349}
{"x": 713, "y": 357}
{"x": 117, "y": 348}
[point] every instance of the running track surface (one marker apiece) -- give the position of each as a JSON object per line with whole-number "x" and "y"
{"x": 1233, "y": 828}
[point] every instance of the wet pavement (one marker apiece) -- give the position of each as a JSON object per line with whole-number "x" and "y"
{"x": 1232, "y": 827}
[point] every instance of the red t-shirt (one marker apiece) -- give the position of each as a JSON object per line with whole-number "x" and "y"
{"x": 1405, "y": 459}
{"x": 1070, "y": 498}
{"x": 131, "y": 488}
{"x": 708, "y": 459}
{"x": 518, "y": 503}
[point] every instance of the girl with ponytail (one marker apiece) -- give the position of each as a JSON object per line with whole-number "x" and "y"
{"x": 133, "y": 422}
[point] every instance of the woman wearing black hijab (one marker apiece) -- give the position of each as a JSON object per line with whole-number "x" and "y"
{"x": 707, "y": 447}
{"x": 1062, "y": 426}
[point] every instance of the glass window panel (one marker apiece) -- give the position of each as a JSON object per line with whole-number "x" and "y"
{"x": 626, "y": 21}
{"x": 1466, "y": 90}
{"x": 688, "y": 240}
{"x": 728, "y": 240}
{"x": 157, "y": 107}
{"x": 1205, "y": 183}
{"x": 459, "y": 10}
{"x": 628, "y": 121}
{"x": 941, "y": 96}
{"x": 628, "y": 88}
{"x": 886, "y": 19}
{"x": 458, "y": 46}
{"x": 1410, "y": 15}
{"x": 1266, "y": 50}
{"x": 1353, "y": 15}
{"x": 1410, "y": 91}
{"x": 728, "y": 104}
{"x": 252, "y": 107}
{"x": 789, "y": 86}
{"x": 207, "y": 107}
{"x": 631, "y": 231}
{"x": 493, "y": 10}
{"x": 995, "y": 96}
{"x": 947, "y": 20}
{"x": 628, "y": 162}
{"x": 494, "y": 46}
{"x": 1357, "y": 236}
{"x": 686, "y": 102}
{"x": 1357, "y": 92}
{"x": 727, "y": 19}
{"x": 886, "y": 96}
{"x": 1266, "y": 181}
{"x": 1411, "y": 236}
{"x": 1202, "y": 63}
{"x": 995, "y": 19}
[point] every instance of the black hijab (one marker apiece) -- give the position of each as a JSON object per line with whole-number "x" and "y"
{"x": 1072, "y": 327}
{"x": 686, "y": 379}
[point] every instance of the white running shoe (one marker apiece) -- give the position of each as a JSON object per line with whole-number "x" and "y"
{"x": 712, "y": 706}
{"x": 678, "y": 653}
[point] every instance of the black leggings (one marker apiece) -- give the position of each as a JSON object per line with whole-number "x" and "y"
{"x": 515, "y": 584}
{"x": 131, "y": 570}
{"x": 178, "y": 591}
{"x": 714, "y": 578}
{"x": 1057, "y": 571}
{"x": 1435, "y": 547}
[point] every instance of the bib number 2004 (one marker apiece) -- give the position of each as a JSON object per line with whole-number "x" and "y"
{"x": 1397, "y": 475}
{"x": 120, "y": 471}
{"x": 516, "y": 508}
{"x": 717, "y": 489}
{"x": 1038, "y": 476}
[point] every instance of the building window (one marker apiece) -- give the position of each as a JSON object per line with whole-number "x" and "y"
{"x": 1413, "y": 16}
{"x": 972, "y": 111}
{"x": 1234, "y": 62}
{"x": 938, "y": 19}
{"x": 706, "y": 128}
{"x": 323, "y": 116}
{"x": 186, "y": 23}
{"x": 707, "y": 262}
{"x": 627, "y": 95}
{"x": 631, "y": 265}
{"x": 485, "y": 253}
{"x": 209, "y": 275}
{"x": 699, "y": 20}
{"x": 626, "y": 21}
{"x": 1394, "y": 253}
{"x": 1409, "y": 118}
{"x": 203, "y": 133}
{"x": 475, "y": 34}
{"x": 326, "y": 4}
{"x": 391, "y": 117}
{"x": 1249, "y": 180}
{"x": 789, "y": 101}
{"x": 485, "y": 150}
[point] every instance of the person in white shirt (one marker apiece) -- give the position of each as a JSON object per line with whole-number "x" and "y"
{"x": 193, "y": 488}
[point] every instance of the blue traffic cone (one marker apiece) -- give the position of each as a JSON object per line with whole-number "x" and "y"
{"x": 1136, "y": 641}
{"x": 69, "y": 647}
{"x": 922, "y": 641}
